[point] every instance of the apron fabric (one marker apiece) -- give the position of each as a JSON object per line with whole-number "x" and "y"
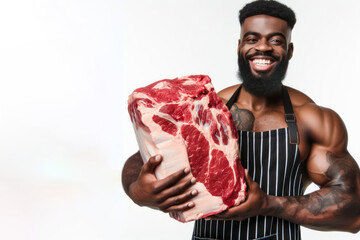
{"x": 273, "y": 161}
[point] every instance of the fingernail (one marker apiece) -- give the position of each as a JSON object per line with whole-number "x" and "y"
{"x": 186, "y": 170}
{"x": 158, "y": 157}
{"x": 191, "y": 204}
{"x": 194, "y": 192}
{"x": 193, "y": 180}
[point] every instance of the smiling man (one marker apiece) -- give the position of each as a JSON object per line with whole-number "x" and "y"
{"x": 286, "y": 142}
{"x": 266, "y": 63}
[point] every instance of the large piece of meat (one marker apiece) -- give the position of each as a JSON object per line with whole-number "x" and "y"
{"x": 187, "y": 123}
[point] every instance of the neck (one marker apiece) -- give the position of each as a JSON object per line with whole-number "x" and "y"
{"x": 259, "y": 103}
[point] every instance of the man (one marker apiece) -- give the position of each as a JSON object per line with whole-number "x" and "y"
{"x": 286, "y": 142}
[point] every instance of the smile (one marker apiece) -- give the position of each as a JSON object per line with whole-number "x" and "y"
{"x": 261, "y": 64}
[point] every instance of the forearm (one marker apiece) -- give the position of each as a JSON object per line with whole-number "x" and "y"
{"x": 335, "y": 206}
{"x": 131, "y": 171}
{"x": 330, "y": 208}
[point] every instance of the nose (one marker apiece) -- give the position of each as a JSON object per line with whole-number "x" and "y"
{"x": 263, "y": 45}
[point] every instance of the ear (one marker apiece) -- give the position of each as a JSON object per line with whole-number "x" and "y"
{"x": 238, "y": 49}
{"x": 290, "y": 50}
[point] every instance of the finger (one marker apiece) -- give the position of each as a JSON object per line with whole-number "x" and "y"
{"x": 220, "y": 215}
{"x": 177, "y": 189}
{"x": 224, "y": 217}
{"x": 232, "y": 212}
{"x": 176, "y": 192}
{"x": 171, "y": 180}
{"x": 248, "y": 178}
{"x": 180, "y": 202}
{"x": 180, "y": 208}
{"x": 153, "y": 162}
{"x": 216, "y": 217}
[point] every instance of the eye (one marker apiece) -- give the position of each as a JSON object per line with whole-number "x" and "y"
{"x": 251, "y": 40}
{"x": 276, "y": 41}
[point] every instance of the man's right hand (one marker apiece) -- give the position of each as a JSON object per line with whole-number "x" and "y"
{"x": 169, "y": 194}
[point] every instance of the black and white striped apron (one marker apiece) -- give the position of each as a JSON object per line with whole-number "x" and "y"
{"x": 273, "y": 161}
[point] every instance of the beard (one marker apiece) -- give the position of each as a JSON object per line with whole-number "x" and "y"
{"x": 262, "y": 86}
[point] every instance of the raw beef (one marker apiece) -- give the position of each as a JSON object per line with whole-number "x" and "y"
{"x": 187, "y": 123}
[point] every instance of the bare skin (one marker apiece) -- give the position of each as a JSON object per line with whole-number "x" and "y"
{"x": 169, "y": 194}
{"x": 323, "y": 139}
{"x": 323, "y": 149}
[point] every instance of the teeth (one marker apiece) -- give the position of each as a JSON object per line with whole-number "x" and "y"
{"x": 261, "y": 61}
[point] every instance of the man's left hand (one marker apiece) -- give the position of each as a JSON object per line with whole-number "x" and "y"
{"x": 255, "y": 204}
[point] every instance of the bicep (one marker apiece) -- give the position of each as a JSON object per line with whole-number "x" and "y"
{"x": 326, "y": 168}
{"x": 329, "y": 161}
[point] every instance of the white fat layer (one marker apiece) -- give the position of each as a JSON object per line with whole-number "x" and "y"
{"x": 174, "y": 153}
{"x": 162, "y": 85}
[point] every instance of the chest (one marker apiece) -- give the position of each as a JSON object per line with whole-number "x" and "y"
{"x": 267, "y": 120}
{"x": 258, "y": 121}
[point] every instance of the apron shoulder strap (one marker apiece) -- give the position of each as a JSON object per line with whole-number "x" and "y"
{"x": 233, "y": 98}
{"x": 290, "y": 117}
{"x": 289, "y": 113}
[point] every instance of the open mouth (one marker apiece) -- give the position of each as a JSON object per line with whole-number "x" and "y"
{"x": 261, "y": 64}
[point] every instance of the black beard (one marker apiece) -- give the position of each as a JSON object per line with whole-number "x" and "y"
{"x": 262, "y": 86}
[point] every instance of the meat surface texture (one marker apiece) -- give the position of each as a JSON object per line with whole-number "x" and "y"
{"x": 187, "y": 123}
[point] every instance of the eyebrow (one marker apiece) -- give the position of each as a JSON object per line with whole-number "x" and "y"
{"x": 269, "y": 36}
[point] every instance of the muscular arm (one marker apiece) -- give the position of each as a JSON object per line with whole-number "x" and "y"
{"x": 336, "y": 206}
{"x": 169, "y": 194}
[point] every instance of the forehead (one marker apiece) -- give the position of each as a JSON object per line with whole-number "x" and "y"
{"x": 265, "y": 25}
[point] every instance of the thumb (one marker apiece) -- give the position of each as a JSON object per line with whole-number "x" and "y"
{"x": 248, "y": 178}
{"x": 153, "y": 162}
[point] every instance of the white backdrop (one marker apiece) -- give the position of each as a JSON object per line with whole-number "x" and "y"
{"x": 66, "y": 69}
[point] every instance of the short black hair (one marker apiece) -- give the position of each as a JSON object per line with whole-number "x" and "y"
{"x": 270, "y": 8}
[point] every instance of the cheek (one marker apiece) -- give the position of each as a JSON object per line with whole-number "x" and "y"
{"x": 281, "y": 51}
{"x": 244, "y": 50}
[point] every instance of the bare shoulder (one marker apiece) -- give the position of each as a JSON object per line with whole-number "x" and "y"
{"x": 298, "y": 98}
{"x": 226, "y": 93}
{"x": 323, "y": 125}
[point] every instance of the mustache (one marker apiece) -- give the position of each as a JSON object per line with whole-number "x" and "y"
{"x": 263, "y": 54}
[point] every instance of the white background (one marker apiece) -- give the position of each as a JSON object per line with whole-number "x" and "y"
{"x": 67, "y": 67}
